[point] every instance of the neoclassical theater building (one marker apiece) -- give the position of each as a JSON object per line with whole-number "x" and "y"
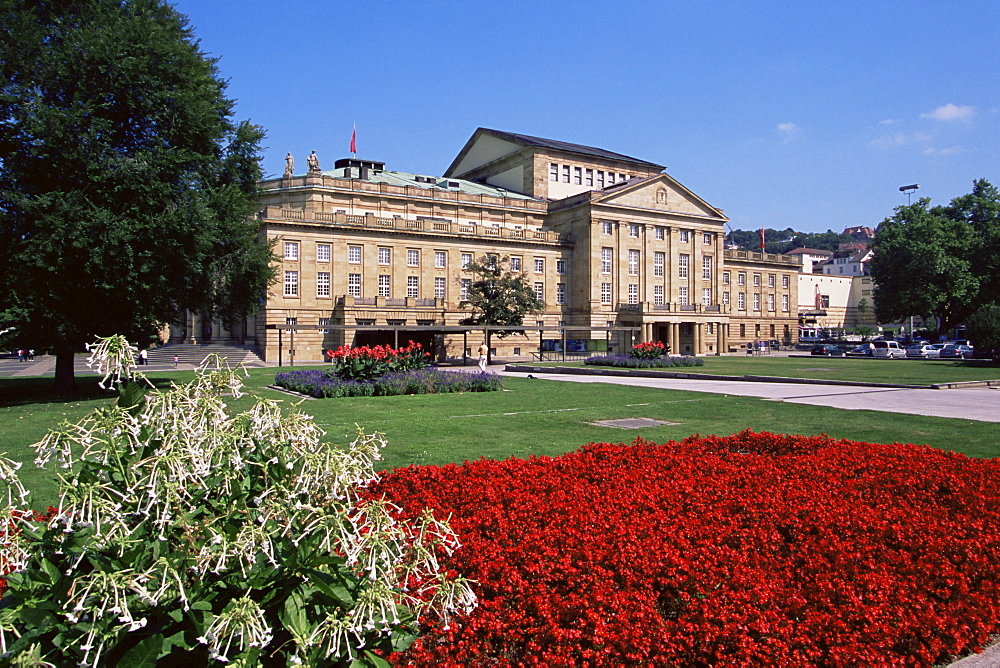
{"x": 373, "y": 255}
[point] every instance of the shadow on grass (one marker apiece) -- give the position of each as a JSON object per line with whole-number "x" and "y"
{"x": 977, "y": 364}
{"x": 39, "y": 390}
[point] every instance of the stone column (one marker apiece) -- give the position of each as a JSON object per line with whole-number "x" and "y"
{"x": 720, "y": 338}
{"x": 675, "y": 337}
{"x": 699, "y": 346}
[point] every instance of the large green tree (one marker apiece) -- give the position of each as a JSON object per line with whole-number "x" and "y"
{"x": 938, "y": 261}
{"x": 126, "y": 189}
{"x": 498, "y": 296}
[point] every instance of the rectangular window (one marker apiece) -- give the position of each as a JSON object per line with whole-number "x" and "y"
{"x": 553, "y": 171}
{"x": 784, "y": 303}
{"x": 600, "y": 184}
{"x": 440, "y": 259}
{"x": 539, "y": 291}
{"x": 706, "y": 296}
{"x": 577, "y": 175}
{"x": 565, "y": 173}
{"x": 605, "y": 293}
{"x": 323, "y": 284}
{"x": 560, "y": 266}
{"x": 707, "y": 238}
{"x": 290, "y": 324}
{"x": 770, "y": 280}
{"x": 588, "y": 178}
{"x": 322, "y": 252}
{"x": 384, "y": 285}
{"x": 354, "y": 285}
{"x": 560, "y": 293}
{"x": 515, "y": 263}
{"x": 606, "y": 257}
{"x": 725, "y": 299}
{"x": 412, "y": 258}
{"x": 291, "y": 284}
{"x": 611, "y": 178}
{"x": 606, "y": 228}
{"x": 539, "y": 265}
{"x": 659, "y": 261}
{"x": 682, "y": 265}
{"x": 633, "y": 263}
{"x": 756, "y": 301}
{"x": 725, "y": 278}
{"x": 770, "y": 302}
{"x": 291, "y": 250}
{"x": 756, "y": 280}
{"x": 741, "y": 278}
{"x": 685, "y": 236}
{"x": 385, "y": 256}
{"x": 354, "y": 254}
{"x": 706, "y": 267}
{"x": 463, "y": 293}
{"x": 324, "y": 323}
{"x": 658, "y": 295}
{"x": 741, "y": 301}
{"x": 412, "y": 286}
{"x": 633, "y": 231}
{"x": 660, "y": 234}
{"x": 439, "y": 283}
{"x": 466, "y": 260}
{"x": 682, "y": 297}
{"x": 784, "y": 281}
{"x": 633, "y": 293}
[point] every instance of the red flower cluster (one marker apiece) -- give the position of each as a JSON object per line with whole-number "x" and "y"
{"x": 13, "y": 528}
{"x": 752, "y": 549}
{"x": 365, "y": 363}
{"x": 648, "y": 350}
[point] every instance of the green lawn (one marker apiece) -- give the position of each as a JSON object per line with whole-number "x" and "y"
{"x": 532, "y": 417}
{"x": 904, "y": 372}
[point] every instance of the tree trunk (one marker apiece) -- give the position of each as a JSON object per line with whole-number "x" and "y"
{"x": 65, "y": 382}
{"x": 489, "y": 346}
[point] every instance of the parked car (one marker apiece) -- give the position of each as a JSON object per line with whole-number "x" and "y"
{"x": 920, "y": 350}
{"x": 860, "y": 351}
{"x": 935, "y": 350}
{"x": 952, "y": 351}
{"x": 827, "y": 350}
{"x": 888, "y": 350}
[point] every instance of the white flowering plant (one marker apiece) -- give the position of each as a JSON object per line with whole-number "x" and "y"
{"x": 187, "y": 532}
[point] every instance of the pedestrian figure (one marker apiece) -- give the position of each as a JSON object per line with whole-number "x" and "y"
{"x": 31, "y": 354}
{"x": 20, "y": 354}
{"x": 175, "y": 361}
{"x": 143, "y": 357}
{"x": 484, "y": 355}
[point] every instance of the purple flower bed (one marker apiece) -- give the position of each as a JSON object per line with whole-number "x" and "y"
{"x": 630, "y": 362}
{"x": 322, "y": 384}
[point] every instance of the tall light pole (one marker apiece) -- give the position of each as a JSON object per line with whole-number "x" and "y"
{"x": 909, "y": 190}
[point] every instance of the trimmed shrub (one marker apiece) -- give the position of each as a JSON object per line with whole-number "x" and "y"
{"x": 432, "y": 380}
{"x": 629, "y": 362}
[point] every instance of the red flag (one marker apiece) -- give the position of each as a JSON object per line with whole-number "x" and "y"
{"x": 354, "y": 140}
{"x": 762, "y": 237}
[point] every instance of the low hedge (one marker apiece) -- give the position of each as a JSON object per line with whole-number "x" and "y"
{"x": 322, "y": 384}
{"x": 629, "y": 362}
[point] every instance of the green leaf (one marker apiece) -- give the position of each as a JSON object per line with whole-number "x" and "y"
{"x": 201, "y": 605}
{"x": 144, "y": 654}
{"x": 132, "y": 397}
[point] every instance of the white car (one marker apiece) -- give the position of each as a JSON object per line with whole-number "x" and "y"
{"x": 921, "y": 351}
{"x": 888, "y": 350}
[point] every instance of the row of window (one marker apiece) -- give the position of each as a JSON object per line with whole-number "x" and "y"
{"x": 412, "y": 286}
{"x": 354, "y": 253}
{"x": 584, "y": 176}
{"x": 741, "y": 301}
{"x": 741, "y": 279}
{"x": 659, "y": 263}
{"x": 660, "y": 233}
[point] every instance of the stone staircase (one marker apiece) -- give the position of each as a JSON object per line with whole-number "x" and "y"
{"x": 188, "y": 353}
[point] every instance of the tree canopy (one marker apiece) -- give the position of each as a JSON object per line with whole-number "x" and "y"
{"x": 498, "y": 295}
{"x": 938, "y": 261}
{"x": 126, "y": 189}
{"x": 782, "y": 241}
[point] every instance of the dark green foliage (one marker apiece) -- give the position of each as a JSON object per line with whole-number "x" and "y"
{"x": 782, "y": 241}
{"x": 126, "y": 190}
{"x": 983, "y": 329}
{"x": 499, "y": 296}
{"x": 939, "y": 261}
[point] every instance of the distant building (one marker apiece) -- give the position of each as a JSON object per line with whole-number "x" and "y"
{"x": 864, "y": 234}
{"x": 811, "y": 257}
{"x": 848, "y": 263}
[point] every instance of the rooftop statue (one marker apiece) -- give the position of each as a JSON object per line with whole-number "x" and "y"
{"x": 313, "y": 162}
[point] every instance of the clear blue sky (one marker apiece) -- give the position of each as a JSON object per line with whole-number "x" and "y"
{"x": 808, "y": 115}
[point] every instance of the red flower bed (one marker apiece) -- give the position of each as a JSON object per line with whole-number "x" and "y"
{"x": 753, "y": 549}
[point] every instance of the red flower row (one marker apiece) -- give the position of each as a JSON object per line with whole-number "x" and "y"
{"x": 753, "y": 549}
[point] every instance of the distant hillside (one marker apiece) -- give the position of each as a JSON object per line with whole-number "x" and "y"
{"x": 782, "y": 241}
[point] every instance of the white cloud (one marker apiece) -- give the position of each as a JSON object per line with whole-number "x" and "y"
{"x": 889, "y": 121}
{"x": 789, "y": 131}
{"x": 900, "y": 139}
{"x": 951, "y": 112}
{"x": 951, "y": 150}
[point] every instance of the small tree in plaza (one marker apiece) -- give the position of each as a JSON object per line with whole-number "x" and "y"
{"x": 186, "y": 532}
{"x": 498, "y": 296}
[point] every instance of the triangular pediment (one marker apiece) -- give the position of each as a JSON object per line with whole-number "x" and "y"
{"x": 660, "y": 193}
{"x": 481, "y": 149}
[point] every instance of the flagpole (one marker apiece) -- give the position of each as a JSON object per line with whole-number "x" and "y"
{"x": 354, "y": 141}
